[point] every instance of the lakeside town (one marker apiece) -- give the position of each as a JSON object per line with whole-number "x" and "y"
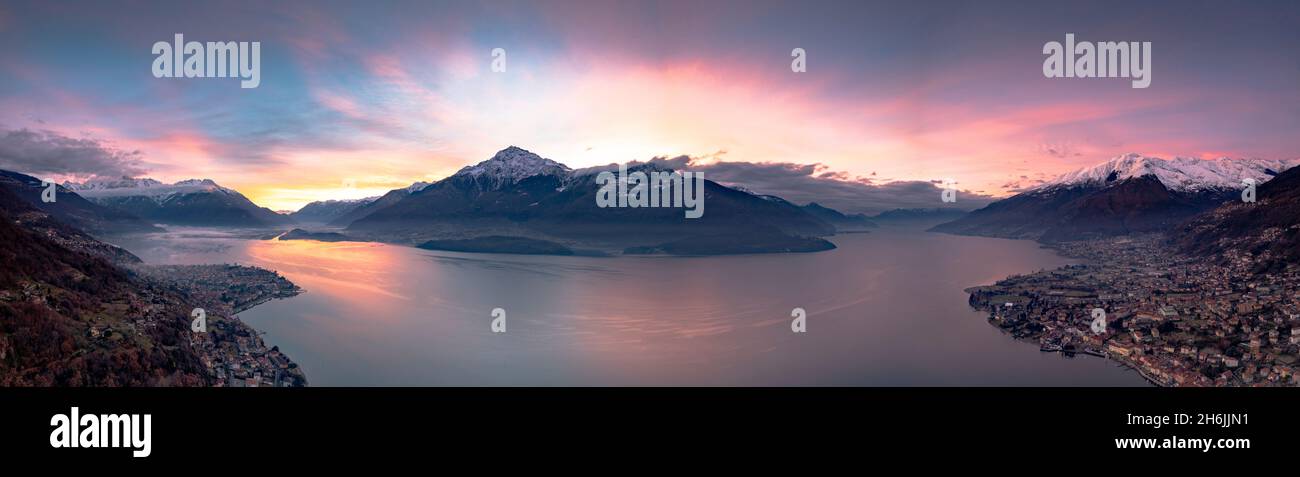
{"x": 232, "y": 351}
{"x": 1177, "y": 320}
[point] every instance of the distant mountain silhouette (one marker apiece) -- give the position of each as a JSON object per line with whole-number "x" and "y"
{"x": 326, "y": 211}
{"x": 365, "y": 209}
{"x": 842, "y": 222}
{"x": 918, "y": 216}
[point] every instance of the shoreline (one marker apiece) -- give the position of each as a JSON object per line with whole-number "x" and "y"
{"x": 1102, "y": 355}
{"x": 234, "y": 352}
{"x": 1147, "y": 375}
{"x": 1178, "y": 320}
{"x": 248, "y": 306}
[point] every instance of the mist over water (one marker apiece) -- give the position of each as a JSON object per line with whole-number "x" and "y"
{"x": 884, "y": 309}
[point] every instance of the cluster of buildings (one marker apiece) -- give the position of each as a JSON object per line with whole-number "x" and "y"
{"x": 236, "y": 357}
{"x": 1178, "y": 320}
{"x": 234, "y": 354}
{"x": 240, "y": 287}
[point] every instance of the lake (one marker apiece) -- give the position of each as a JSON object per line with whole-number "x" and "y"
{"x": 884, "y": 309}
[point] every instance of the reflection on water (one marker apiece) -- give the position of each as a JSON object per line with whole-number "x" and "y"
{"x": 884, "y": 308}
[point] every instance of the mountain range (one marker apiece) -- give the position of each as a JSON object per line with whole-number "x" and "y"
{"x": 197, "y": 202}
{"x": 1127, "y": 194}
{"x": 325, "y": 211}
{"x": 389, "y": 198}
{"x": 842, "y": 222}
{"x": 71, "y": 208}
{"x": 517, "y": 193}
{"x": 514, "y": 195}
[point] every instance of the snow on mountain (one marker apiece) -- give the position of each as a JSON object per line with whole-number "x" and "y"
{"x": 145, "y": 187}
{"x": 353, "y": 201}
{"x": 511, "y": 165}
{"x": 1180, "y": 173}
{"x": 741, "y": 188}
{"x": 411, "y": 189}
{"x": 340, "y": 202}
{"x": 323, "y": 211}
{"x": 653, "y": 165}
{"x": 103, "y": 184}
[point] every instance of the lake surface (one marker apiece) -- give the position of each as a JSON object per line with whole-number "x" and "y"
{"x": 884, "y": 309}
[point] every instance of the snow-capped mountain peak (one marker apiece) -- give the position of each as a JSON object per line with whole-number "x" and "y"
{"x": 511, "y": 165}
{"x": 1182, "y": 174}
{"x": 417, "y": 186}
{"x": 145, "y": 187}
{"x": 197, "y": 183}
{"x": 104, "y": 184}
{"x": 344, "y": 201}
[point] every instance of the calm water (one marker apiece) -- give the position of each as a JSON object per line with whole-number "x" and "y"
{"x": 884, "y": 308}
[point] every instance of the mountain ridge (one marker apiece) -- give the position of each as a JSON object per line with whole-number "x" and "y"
{"x": 195, "y": 202}
{"x": 1127, "y": 194}
{"x": 325, "y": 211}
{"x": 517, "y": 193}
{"x": 73, "y": 209}
{"x": 1181, "y": 174}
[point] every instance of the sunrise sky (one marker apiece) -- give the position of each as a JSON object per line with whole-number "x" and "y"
{"x": 382, "y": 94}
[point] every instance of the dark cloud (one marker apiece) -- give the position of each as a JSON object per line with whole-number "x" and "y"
{"x": 44, "y": 153}
{"x": 1024, "y": 183}
{"x": 804, "y": 183}
{"x": 1059, "y": 150}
